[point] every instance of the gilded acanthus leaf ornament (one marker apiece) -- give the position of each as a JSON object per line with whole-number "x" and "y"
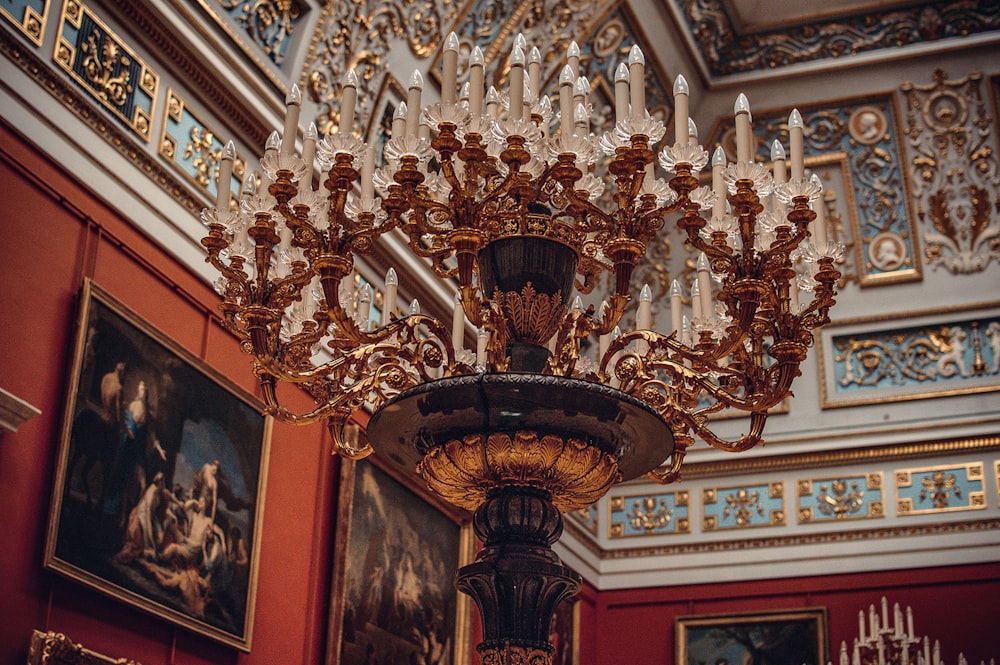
{"x": 954, "y": 172}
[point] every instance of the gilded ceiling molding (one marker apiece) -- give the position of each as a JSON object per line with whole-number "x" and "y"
{"x": 727, "y": 50}
{"x": 212, "y": 91}
{"x": 954, "y": 172}
{"x": 29, "y": 16}
{"x": 76, "y": 101}
{"x": 841, "y": 457}
{"x": 270, "y": 24}
{"x": 356, "y": 34}
{"x": 798, "y": 539}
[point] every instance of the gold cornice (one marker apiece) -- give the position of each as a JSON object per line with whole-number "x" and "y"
{"x": 799, "y": 539}
{"x": 915, "y": 314}
{"x": 100, "y": 123}
{"x": 895, "y": 452}
{"x": 189, "y": 68}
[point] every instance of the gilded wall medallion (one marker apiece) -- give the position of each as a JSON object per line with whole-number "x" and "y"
{"x": 743, "y": 507}
{"x": 649, "y": 514}
{"x": 106, "y": 67}
{"x": 940, "y": 489}
{"x": 29, "y": 16}
{"x": 840, "y": 498}
{"x": 954, "y": 172}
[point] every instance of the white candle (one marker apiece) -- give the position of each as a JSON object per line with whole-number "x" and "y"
{"x": 885, "y": 613}
{"x": 414, "y": 307}
{"x": 367, "y": 173}
{"x": 795, "y": 128}
{"x": 573, "y": 58}
{"x": 644, "y": 317}
{"x": 566, "y": 81}
{"x": 535, "y": 72}
{"x": 861, "y": 625}
{"x": 718, "y": 185}
{"x": 399, "y": 120}
{"x": 293, "y": 105}
{"x": 516, "y": 94}
{"x": 621, "y": 92}
{"x": 692, "y": 132}
{"x": 476, "y": 64}
{"x": 681, "y": 92}
{"x": 492, "y": 103}
{"x": 637, "y": 82}
{"x": 391, "y": 287}
{"x": 348, "y": 100}
{"x": 449, "y": 69}
{"x": 705, "y": 285}
{"x": 696, "y": 302}
{"x": 364, "y": 313}
{"x": 413, "y": 103}
{"x": 458, "y": 325}
{"x": 909, "y": 622}
{"x": 309, "y": 155}
{"x": 675, "y": 307}
{"x": 224, "y": 184}
{"x": 780, "y": 176}
{"x": 743, "y": 145}
{"x": 482, "y": 340}
{"x": 270, "y": 148}
{"x": 872, "y": 621}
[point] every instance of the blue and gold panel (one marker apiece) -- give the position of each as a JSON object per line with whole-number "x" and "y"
{"x": 743, "y": 507}
{"x": 104, "y": 65}
{"x": 28, "y": 15}
{"x": 587, "y": 518}
{"x": 193, "y": 148}
{"x": 940, "y": 489}
{"x": 869, "y": 363}
{"x": 649, "y": 514}
{"x": 269, "y": 24}
{"x": 841, "y": 498}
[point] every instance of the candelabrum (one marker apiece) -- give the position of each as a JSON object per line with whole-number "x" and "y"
{"x": 504, "y": 197}
{"x": 881, "y": 643}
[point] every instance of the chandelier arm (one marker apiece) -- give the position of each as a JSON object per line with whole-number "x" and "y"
{"x": 672, "y": 473}
{"x": 743, "y": 443}
{"x": 613, "y": 314}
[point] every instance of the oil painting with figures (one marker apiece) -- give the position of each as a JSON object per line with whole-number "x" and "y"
{"x": 394, "y": 594}
{"x": 159, "y": 487}
{"x": 790, "y": 637}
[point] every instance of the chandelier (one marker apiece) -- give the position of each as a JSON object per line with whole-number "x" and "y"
{"x": 513, "y": 200}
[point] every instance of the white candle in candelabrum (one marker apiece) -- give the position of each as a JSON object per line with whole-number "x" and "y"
{"x": 492, "y": 103}
{"x": 413, "y": 103}
{"x": 391, "y": 287}
{"x": 399, "y": 120}
{"x": 449, "y": 69}
{"x": 573, "y": 58}
{"x": 581, "y": 98}
{"x": 458, "y": 325}
{"x": 309, "y": 155}
{"x": 414, "y": 307}
{"x": 270, "y": 148}
{"x": 692, "y": 132}
{"x": 819, "y": 224}
{"x": 516, "y": 74}
{"x": 872, "y": 621}
{"x": 367, "y": 175}
{"x": 718, "y": 185}
{"x": 644, "y": 317}
{"x": 566, "y": 82}
{"x": 795, "y": 140}
{"x": 535, "y": 72}
{"x": 742, "y": 110}
{"x": 293, "y": 105}
{"x": 348, "y": 101}
{"x": 780, "y": 176}
{"x": 364, "y": 311}
{"x": 675, "y": 307}
{"x": 696, "y": 302}
{"x": 705, "y": 286}
{"x": 909, "y": 622}
{"x": 637, "y": 83}
{"x": 885, "y": 613}
{"x": 621, "y": 92}
{"x": 477, "y": 63}
{"x": 897, "y": 620}
{"x": 225, "y": 181}
{"x": 861, "y": 625}
{"x": 681, "y": 92}
{"x": 482, "y": 341}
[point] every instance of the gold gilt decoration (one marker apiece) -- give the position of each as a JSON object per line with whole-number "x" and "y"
{"x": 53, "y": 648}
{"x": 29, "y": 16}
{"x": 100, "y": 61}
{"x": 649, "y": 515}
{"x": 954, "y": 171}
{"x": 269, "y": 23}
{"x": 742, "y": 507}
{"x": 510, "y": 654}
{"x": 940, "y": 489}
{"x": 537, "y": 315}
{"x": 357, "y": 35}
{"x": 840, "y": 498}
{"x": 574, "y": 473}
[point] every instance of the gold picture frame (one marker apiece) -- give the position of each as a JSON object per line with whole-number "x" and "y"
{"x": 160, "y": 478}
{"x": 726, "y": 639}
{"x": 53, "y": 648}
{"x": 396, "y": 553}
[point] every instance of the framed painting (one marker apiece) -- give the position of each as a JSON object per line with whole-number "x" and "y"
{"x": 160, "y": 477}
{"x": 396, "y": 553}
{"x": 564, "y": 633}
{"x": 784, "y": 637}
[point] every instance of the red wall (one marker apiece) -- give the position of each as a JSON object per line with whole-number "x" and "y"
{"x": 957, "y": 606}
{"x": 54, "y": 233}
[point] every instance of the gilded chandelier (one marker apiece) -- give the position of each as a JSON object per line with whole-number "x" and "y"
{"x": 504, "y": 196}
